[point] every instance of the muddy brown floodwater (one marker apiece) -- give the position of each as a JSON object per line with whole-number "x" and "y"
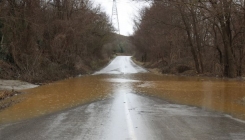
{"x": 226, "y": 96}
{"x": 208, "y": 93}
{"x": 55, "y": 97}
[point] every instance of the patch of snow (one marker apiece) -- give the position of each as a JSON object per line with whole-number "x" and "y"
{"x": 15, "y": 84}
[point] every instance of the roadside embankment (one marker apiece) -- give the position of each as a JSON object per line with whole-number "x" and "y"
{"x": 152, "y": 70}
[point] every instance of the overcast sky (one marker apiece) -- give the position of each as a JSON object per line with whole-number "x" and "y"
{"x": 127, "y": 10}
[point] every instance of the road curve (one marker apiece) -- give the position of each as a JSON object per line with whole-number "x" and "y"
{"x": 127, "y": 115}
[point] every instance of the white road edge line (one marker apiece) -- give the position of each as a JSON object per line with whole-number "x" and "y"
{"x": 129, "y": 120}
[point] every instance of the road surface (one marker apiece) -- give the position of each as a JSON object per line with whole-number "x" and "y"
{"x": 127, "y": 115}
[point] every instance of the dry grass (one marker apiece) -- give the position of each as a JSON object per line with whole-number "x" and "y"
{"x": 154, "y": 70}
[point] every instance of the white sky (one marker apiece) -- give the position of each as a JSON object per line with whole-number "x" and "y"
{"x": 127, "y": 10}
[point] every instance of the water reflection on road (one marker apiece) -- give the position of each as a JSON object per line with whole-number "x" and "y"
{"x": 109, "y": 107}
{"x": 120, "y": 124}
{"x": 208, "y": 93}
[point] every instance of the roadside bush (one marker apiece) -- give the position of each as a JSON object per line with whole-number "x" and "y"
{"x": 44, "y": 39}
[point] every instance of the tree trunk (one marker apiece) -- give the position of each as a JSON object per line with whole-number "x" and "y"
{"x": 188, "y": 32}
{"x": 224, "y": 13}
{"x": 197, "y": 38}
{"x": 225, "y": 22}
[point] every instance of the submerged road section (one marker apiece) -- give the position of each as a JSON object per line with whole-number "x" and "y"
{"x": 127, "y": 115}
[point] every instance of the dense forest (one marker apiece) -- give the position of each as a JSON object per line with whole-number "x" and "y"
{"x": 206, "y": 36}
{"x": 51, "y": 39}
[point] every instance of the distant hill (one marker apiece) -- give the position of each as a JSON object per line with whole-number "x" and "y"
{"x": 119, "y": 44}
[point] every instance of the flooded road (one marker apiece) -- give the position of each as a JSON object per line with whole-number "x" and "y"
{"x": 123, "y": 102}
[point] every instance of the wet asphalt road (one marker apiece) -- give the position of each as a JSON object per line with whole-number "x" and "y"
{"x": 127, "y": 115}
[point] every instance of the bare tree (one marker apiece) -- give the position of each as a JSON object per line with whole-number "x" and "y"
{"x": 45, "y": 35}
{"x": 214, "y": 32}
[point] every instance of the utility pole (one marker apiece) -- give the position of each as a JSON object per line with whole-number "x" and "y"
{"x": 114, "y": 17}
